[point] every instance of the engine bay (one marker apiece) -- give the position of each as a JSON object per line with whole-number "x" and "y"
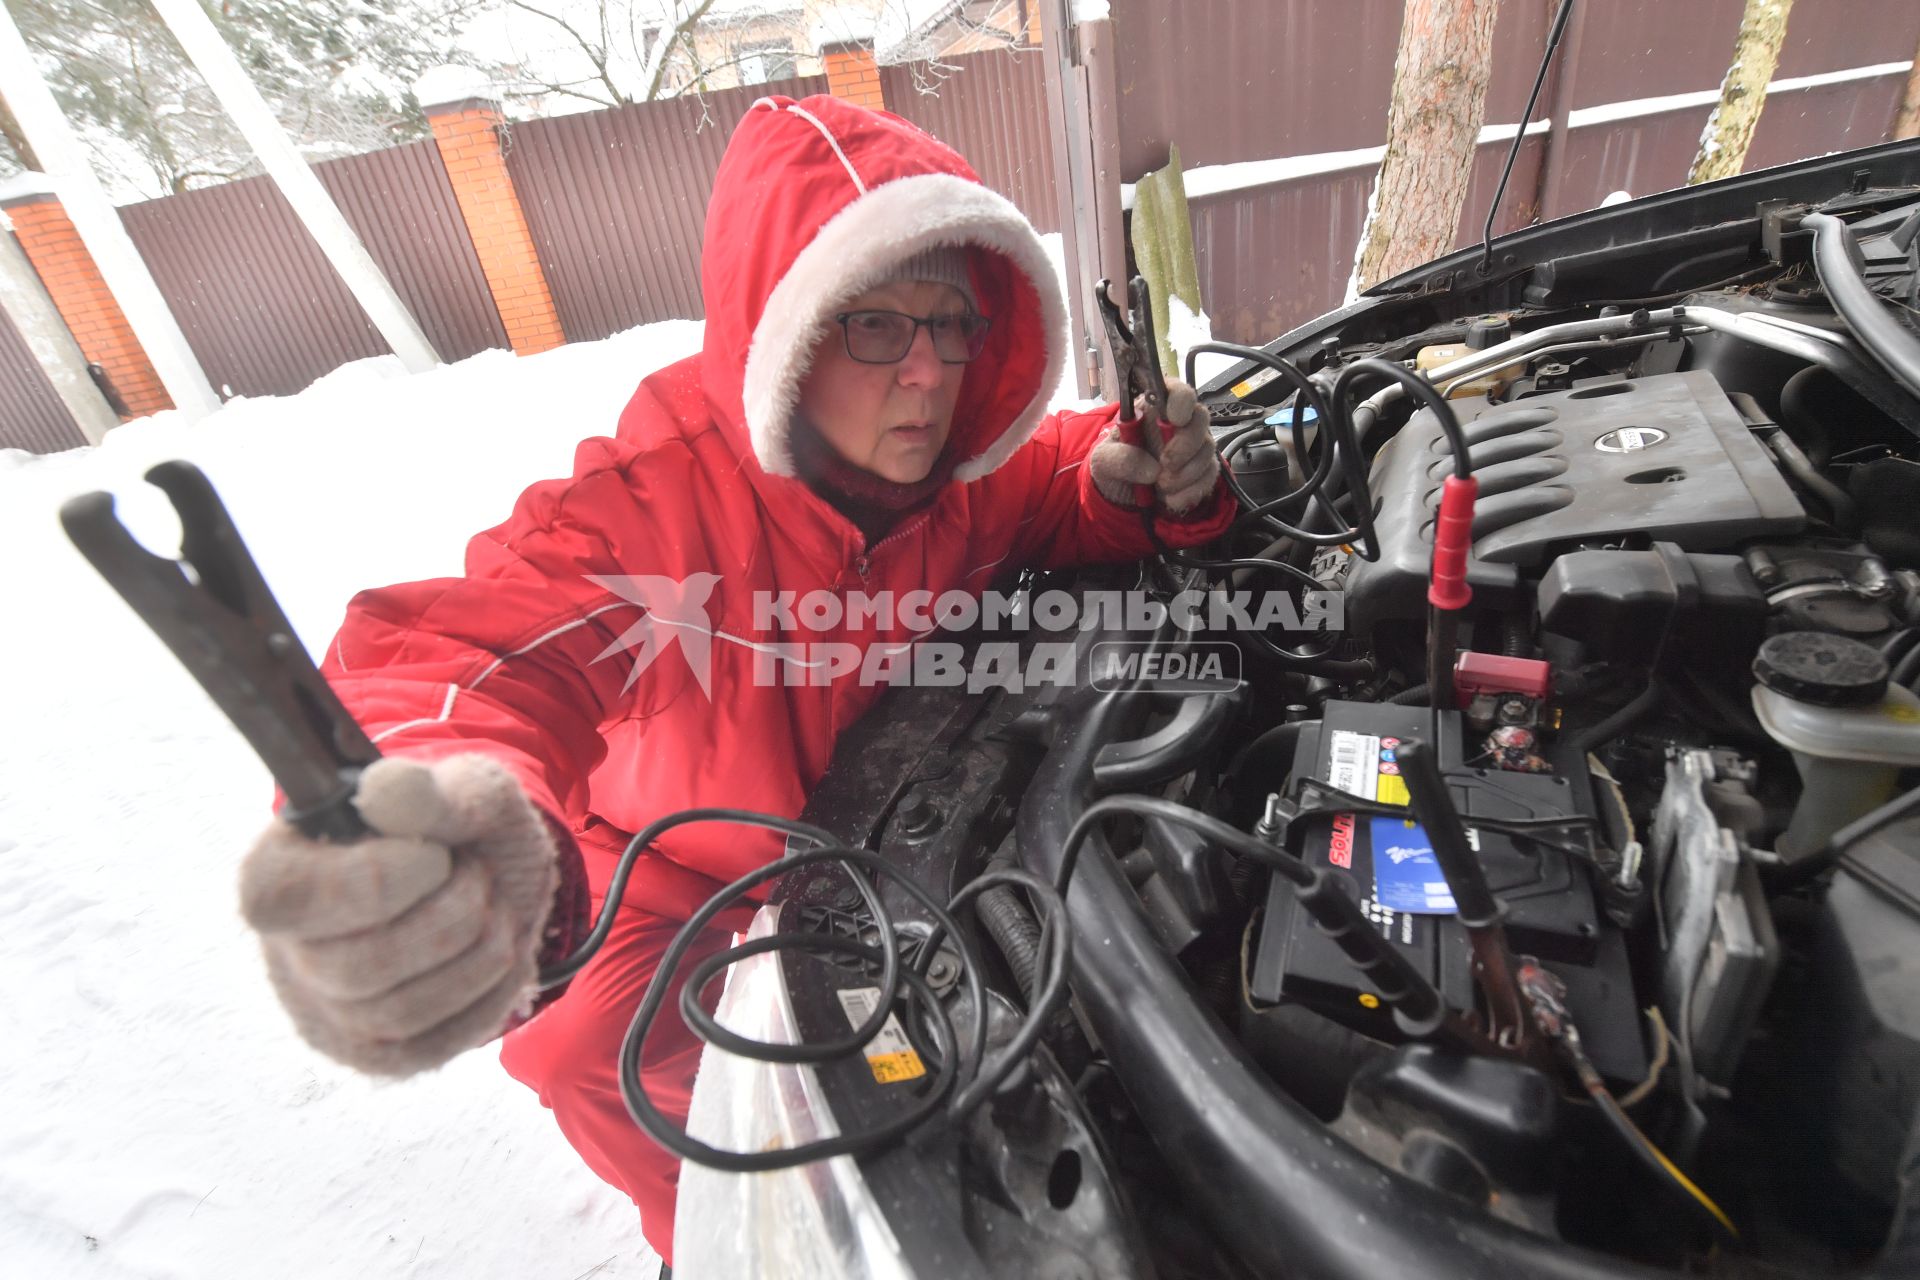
{"x": 1623, "y": 975}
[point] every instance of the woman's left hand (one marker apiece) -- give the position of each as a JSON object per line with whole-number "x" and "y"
{"x": 1188, "y": 464}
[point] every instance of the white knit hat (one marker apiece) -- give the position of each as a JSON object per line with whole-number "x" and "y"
{"x": 942, "y": 264}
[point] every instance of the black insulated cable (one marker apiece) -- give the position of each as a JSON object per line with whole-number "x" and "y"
{"x": 1479, "y": 911}
{"x": 1416, "y": 1005}
{"x": 963, "y": 1075}
{"x": 1308, "y": 396}
{"x": 1447, "y": 590}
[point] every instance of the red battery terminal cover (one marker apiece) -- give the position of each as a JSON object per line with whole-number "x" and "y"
{"x": 1475, "y": 673}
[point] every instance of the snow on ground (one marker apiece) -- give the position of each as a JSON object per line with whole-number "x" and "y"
{"x": 159, "y": 1118}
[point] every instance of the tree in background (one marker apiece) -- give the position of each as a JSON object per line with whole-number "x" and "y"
{"x": 603, "y": 53}
{"x": 337, "y": 72}
{"x": 569, "y": 54}
{"x": 1743, "y": 92}
{"x": 1440, "y": 80}
{"x": 923, "y": 33}
{"x": 1906, "y": 117}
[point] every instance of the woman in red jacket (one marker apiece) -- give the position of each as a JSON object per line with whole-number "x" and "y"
{"x": 867, "y": 414}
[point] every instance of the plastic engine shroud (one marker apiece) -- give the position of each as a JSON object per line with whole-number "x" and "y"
{"x": 1664, "y": 457}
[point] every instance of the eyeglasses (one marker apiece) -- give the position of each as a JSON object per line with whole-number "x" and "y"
{"x": 885, "y": 337}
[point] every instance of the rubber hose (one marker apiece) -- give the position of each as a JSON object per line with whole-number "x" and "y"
{"x": 1329, "y": 668}
{"x": 1620, "y": 721}
{"x": 1846, "y": 514}
{"x": 1797, "y": 416}
{"x": 1284, "y": 736}
{"x": 1278, "y": 549}
{"x": 1416, "y": 696}
{"x": 1907, "y": 668}
{"x": 1015, "y": 931}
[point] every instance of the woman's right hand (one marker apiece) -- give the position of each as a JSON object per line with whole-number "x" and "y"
{"x": 400, "y": 950}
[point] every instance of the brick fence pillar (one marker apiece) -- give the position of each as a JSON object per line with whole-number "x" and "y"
{"x": 101, "y": 331}
{"x": 467, "y": 131}
{"x": 852, "y": 75}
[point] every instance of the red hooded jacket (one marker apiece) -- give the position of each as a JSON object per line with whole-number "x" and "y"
{"x": 572, "y": 648}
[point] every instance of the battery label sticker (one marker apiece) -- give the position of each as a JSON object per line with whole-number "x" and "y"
{"x": 1406, "y": 875}
{"x": 1352, "y": 762}
{"x": 1390, "y": 787}
{"x": 889, "y": 1054}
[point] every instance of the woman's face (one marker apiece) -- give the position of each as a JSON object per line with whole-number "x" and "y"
{"x": 888, "y": 419}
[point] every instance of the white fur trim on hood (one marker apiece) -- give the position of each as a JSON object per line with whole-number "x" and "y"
{"x": 854, "y": 251}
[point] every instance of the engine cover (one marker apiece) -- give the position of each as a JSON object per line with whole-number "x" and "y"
{"x": 1664, "y": 457}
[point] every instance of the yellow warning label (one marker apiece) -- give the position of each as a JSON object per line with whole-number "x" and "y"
{"x": 1392, "y": 789}
{"x": 891, "y": 1068}
{"x": 1898, "y": 711}
{"x": 890, "y": 1054}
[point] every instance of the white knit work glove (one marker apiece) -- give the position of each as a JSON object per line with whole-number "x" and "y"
{"x": 396, "y": 952}
{"x": 1188, "y": 466}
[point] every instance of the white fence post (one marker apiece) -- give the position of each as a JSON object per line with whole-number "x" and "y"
{"x": 27, "y": 303}
{"x": 98, "y": 223}
{"x": 311, "y": 203}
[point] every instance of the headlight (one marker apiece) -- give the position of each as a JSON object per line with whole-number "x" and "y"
{"x": 809, "y": 1222}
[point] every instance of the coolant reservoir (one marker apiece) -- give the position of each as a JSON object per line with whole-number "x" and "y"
{"x": 1827, "y": 699}
{"x": 1281, "y": 420}
{"x": 1431, "y": 358}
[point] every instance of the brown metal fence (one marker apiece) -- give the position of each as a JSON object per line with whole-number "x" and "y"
{"x": 1230, "y": 82}
{"x": 262, "y": 308}
{"x": 617, "y": 203}
{"x": 616, "y": 200}
{"x": 32, "y": 416}
{"x": 992, "y": 109}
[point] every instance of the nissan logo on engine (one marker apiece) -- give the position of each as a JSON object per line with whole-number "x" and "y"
{"x": 1629, "y": 439}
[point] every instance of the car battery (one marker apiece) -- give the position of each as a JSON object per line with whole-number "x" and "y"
{"x": 1544, "y": 885}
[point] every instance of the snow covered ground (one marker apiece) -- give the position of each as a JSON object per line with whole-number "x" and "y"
{"x": 158, "y": 1117}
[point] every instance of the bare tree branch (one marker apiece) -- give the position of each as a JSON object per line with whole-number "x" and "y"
{"x": 596, "y": 54}
{"x": 682, "y": 31}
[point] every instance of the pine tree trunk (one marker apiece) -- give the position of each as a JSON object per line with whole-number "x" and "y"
{"x": 1906, "y": 121}
{"x": 1729, "y": 131}
{"x": 1439, "y": 102}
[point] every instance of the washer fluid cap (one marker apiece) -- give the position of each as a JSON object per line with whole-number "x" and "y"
{"x": 1822, "y": 669}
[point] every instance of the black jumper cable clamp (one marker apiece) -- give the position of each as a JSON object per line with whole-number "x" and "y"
{"x": 1136, "y": 363}
{"x": 215, "y": 611}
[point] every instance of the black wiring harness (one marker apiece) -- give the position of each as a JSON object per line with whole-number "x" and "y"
{"x": 1344, "y": 425}
{"x": 963, "y": 1075}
